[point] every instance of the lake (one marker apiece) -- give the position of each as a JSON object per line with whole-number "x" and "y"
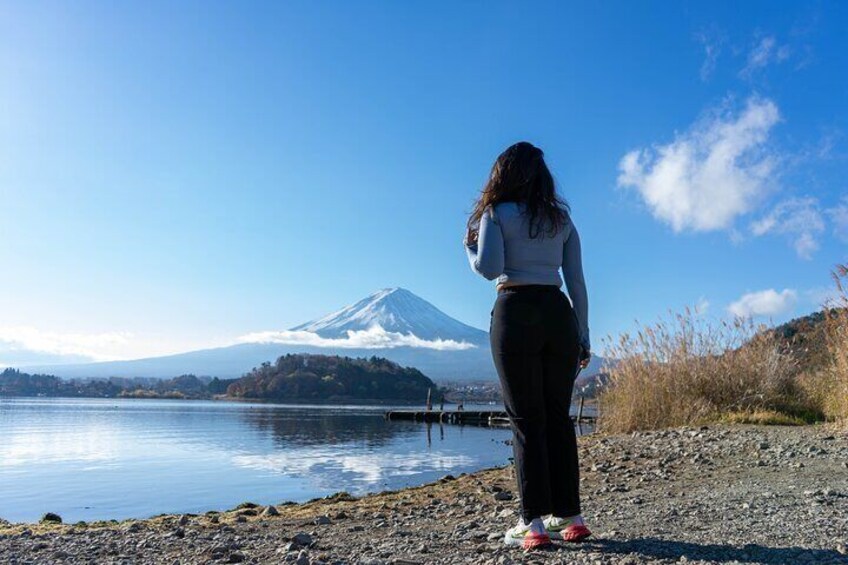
{"x": 100, "y": 459}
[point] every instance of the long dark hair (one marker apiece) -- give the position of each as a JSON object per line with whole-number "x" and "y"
{"x": 521, "y": 175}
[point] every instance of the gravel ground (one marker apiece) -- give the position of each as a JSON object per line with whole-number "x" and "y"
{"x": 723, "y": 494}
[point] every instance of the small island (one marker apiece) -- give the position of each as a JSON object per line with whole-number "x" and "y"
{"x": 331, "y": 378}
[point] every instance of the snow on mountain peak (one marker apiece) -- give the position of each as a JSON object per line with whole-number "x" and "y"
{"x": 395, "y": 310}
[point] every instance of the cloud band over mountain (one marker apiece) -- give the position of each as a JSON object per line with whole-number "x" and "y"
{"x": 374, "y": 337}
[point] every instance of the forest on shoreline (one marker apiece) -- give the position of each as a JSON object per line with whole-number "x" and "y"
{"x": 292, "y": 378}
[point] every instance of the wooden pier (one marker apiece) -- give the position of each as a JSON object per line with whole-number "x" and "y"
{"x": 461, "y": 417}
{"x": 487, "y": 418}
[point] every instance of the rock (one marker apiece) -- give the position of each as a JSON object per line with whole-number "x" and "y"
{"x": 302, "y": 558}
{"x": 50, "y": 518}
{"x": 236, "y": 557}
{"x": 302, "y": 539}
{"x": 183, "y": 520}
{"x": 340, "y": 515}
{"x": 271, "y": 511}
{"x": 322, "y": 521}
{"x": 503, "y": 495}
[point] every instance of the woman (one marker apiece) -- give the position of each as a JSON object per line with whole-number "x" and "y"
{"x": 521, "y": 234}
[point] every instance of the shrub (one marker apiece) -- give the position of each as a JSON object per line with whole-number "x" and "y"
{"x": 692, "y": 370}
{"x": 828, "y": 385}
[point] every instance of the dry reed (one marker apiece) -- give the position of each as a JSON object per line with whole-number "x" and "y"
{"x": 828, "y": 386}
{"x": 692, "y": 370}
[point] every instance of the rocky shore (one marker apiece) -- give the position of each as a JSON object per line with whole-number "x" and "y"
{"x": 722, "y": 494}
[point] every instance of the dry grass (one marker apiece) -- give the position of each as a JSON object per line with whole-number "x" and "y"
{"x": 692, "y": 370}
{"x": 763, "y": 418}
{"x": 828, "y": 386}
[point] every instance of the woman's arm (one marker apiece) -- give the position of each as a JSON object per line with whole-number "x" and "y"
{"x": 486, "y": 255}
{"x": 572, "y": 271}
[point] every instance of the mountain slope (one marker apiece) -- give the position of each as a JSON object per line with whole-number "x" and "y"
{"x": 236, "y": 360}
{"x": 14, "y": 355}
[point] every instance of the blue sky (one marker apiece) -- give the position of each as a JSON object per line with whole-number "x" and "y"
{"x": 176, "y": 176}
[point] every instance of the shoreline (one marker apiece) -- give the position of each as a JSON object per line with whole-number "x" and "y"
{"x": 754, "y": 494}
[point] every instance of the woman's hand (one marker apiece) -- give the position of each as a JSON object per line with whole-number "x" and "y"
{"x": 471, "y": 236}
{"x": 585, "y": 357}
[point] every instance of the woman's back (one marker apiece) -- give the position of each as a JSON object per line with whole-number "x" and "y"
{"x": 529, "y": 260}
{"x": 505, "y": 251}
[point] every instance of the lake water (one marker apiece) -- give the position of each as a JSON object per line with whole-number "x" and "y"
{"x": 93, "y": 459}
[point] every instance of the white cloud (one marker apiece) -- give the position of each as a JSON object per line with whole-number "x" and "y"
{"x": 710, "y": 175}
{"x": 764, "y": 303}
{"x": 25, "y": 340}
{"x": 374, "y": 337}
{"x": 798, "y": 218}
{"x": 764, "y": 52}
{"x": 712, "y": 42}
{"x": 839, "y": 219}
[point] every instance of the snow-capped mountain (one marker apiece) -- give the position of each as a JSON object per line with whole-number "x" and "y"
{"x": 411, "y": 331}
{"x": 395, "y": 310}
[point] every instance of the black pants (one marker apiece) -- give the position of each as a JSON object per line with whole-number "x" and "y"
{"x": 535, "y": 349}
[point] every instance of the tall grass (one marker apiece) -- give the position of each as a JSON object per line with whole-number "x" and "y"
{"x": 828, "y": 386}
{"x": 690, "y": 370}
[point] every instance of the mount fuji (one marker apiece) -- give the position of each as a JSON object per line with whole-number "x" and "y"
{"x": 395, "y": 310}
{"x": 393, "y": 323}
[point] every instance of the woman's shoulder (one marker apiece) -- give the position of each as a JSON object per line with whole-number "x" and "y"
{"x": 507, "y": 209}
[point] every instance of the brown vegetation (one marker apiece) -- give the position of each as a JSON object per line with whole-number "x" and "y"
{"x": 827, "y": 385}
{"x": 692, "y": 370}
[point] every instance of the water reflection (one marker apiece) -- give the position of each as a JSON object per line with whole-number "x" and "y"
{"x": 306, "y": 427}
{"x": 101, "y": 459}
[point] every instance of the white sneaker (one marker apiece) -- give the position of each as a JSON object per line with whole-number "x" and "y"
{"x": 567, "y": 529}
{"x": 528, "y": 536}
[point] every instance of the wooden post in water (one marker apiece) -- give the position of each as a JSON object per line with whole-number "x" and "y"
{"x": 580, "y": 409}
{"x": 429, "y": 401}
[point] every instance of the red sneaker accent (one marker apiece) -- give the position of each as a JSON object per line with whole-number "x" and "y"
{"x": 532, "y": 541}
{"x": 575, "y": 533}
